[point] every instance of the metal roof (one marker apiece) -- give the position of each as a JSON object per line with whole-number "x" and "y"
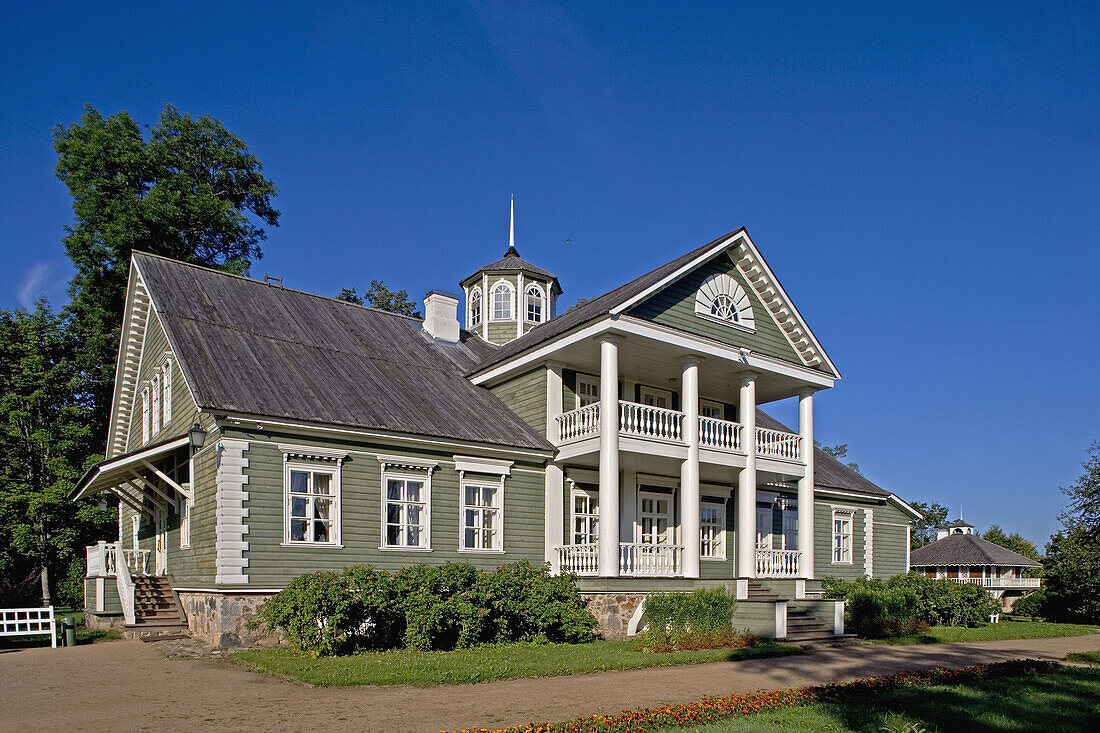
{"x": 967, "y": 549}
{"x": 255, "y": 348}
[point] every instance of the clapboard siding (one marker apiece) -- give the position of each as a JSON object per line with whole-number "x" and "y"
{"x": 193, "y": 566}
{"x": 526, "y": 396}
{"x": 888, "y": 538}
{"x": 674, "y": 306}
{"x": 502, "y": 331}
{"x": 272, "y": 564}
{"x": 890, "y": 541}
{"x": 183, "y": 406}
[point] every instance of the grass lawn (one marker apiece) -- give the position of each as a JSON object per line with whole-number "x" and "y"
{"x": 992, "y": 632}
{"x": 1063, "y": 699}
{"x": 1087, "y": 657}
{"x": 481, "y": 664}
{"x": 83, "y": 636}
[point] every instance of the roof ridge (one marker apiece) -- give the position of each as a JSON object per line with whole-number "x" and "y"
{"x": 284, "y": 288}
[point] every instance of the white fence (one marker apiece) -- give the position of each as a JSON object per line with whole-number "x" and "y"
{"x": 579, "y": 423}
{"x": 647, "y": 421}
{"x": 715, "y": 433}
{"x": 777, "y": 444}
{"x": 777, "y": 563}
{"x": 579, "y": 559}
{"x": 29, "y": 622}
{"x": 1001, "y": 582}
{"x": 636, "y": 558}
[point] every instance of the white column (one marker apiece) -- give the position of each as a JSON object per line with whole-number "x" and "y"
{"x": 746, "y": 481}
{"x": 806, "y": 484}
{"x": 689, "y": 469}
{"x": 555, "y": 479}
{"x": 609, "y": 456}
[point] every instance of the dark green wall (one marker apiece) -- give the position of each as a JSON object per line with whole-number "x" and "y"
{"x": 183, "y": 407}
{"x": 526, "y": 396}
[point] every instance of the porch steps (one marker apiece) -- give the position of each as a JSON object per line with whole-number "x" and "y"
{"x": 803, "y": 629}
{"x": 760, "y": 592}
{"x": 157, "y": 612}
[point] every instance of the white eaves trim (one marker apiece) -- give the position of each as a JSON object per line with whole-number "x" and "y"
{"x": 892, "y": 498}
{"x": 312, "y": 452}
{"x": 473, "y": 464}
{"x": 130, "y": 461}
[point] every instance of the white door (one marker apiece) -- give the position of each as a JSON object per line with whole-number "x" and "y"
{"x": 790, "y": 530}
{"x": 655, "y": 531}
{"x": 764, "y": 527}
{"x": 161, "y": 560}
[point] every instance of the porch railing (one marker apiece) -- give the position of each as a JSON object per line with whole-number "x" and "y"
{"x": 636, "y": 558}
{"x": 580, "y": 422}
{"x": 137, "y": 561}
{"x": 1001, "y": 582}
{"x": 124, "y": 582}
{"x": 579, "y": 559}
{"x": 777, "y": 563}
{"x": 777, "y": 444}
{"x": 647, "y": 421}
{"x": 715, "y": 433}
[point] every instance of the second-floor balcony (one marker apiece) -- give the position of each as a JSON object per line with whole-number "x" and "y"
{"x": 667, "y": 426}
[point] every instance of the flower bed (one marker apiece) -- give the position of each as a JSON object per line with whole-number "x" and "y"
{"x": 713, "y": 709}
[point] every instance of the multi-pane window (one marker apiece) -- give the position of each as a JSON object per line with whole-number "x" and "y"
{"x": 185, "y": 524}
{"x": 406, "y": 512}
{"x": 156, "y": 404}
{"x": 586, "y": 518}
{"x": 480, "y": 517}
{"x": 723, "y": 307}
{"x": 712, "y": 525}
{"x": 711, "y": 409}
{"x": 475, "y": 308}
{"x": 655, "y": 518}
{"x": 311, "y": 506}
{"x": 502, "y": 301}
{"x": 167, "y": 369}
{"x": 842, "y": 537}
{"x": 588, "y": 391}
{"x": 534, "y": 304}
{"x": 145, "y": 415}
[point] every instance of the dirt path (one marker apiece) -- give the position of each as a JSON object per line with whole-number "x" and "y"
{"x": 128, "y": 685}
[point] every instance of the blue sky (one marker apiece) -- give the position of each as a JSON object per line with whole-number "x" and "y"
{"x": 923, "y": 179}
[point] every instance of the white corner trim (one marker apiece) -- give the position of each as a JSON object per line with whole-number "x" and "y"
{"x": 868, "y": 542}
{"x": 473, "y": 464}
{"x": 406, "y": 462}
{"x": 229, "y": 542}
{"x": 307, "y": 451}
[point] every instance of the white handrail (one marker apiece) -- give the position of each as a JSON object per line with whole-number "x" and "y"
{"x": 137, "y": 561}
{"x": 1001, "y": 582}
{"x": 637, "y": 558}
{"x": 579, "y": 559}
{"x": 777, "y": 444}
{"x": 97, "y": 558}
{"x": 124, "y": 583}
{"x": 650, "y": 422}
{"x": 777, "y": 563}
{"x": 580, "y": 422}
{"x": 715, "y": 433}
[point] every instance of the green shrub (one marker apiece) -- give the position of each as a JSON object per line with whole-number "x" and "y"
{"x": 315, "y": 611}
{"x": 1031, "y": 605}
{"x": 701, "y": 619}
{"x": 877, "y": 613}
{"x": 527, "y": 603}
{"x": 376, "y": 619}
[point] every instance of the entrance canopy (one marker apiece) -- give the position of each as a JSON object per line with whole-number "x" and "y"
{"x": 144, "y": 479}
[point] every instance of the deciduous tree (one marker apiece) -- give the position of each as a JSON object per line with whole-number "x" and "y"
{"x": 380, "y": 297}
{"x": 933, "y": 517}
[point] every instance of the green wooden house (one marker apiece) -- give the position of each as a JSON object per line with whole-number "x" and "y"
{"x": 260, "y": 432}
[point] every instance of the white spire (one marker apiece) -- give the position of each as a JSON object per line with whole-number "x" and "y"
{"x": 512, "y": 224}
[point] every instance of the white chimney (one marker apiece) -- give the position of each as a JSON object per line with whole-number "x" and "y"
{"x": 441, "y": 316}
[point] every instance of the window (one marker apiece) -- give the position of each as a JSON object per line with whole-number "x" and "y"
{"x": 842, "y": 536}
{"x": 722, "y": 307}
{"x": 185, "y": 523}
{"x": 145, "y": 415}
{"x": 708, "y": 408}
{"x": 474, "y": 319}
{"x": 586, "y": 518}
{"x": 502, "y": 301}
{"x": 312, "y": 503}
{"x": 790, "y": 527}
{"x": 480, "y": 517}
{"x": 167, "y": 369}
{"x": 722, "y": 298}
{"x": 156, "y": 404}
{"x": 588, "y": 391}
{"x": 534, "y": 304}
{"x": 406, "y": 512}
{"x": 655, "y": 519}
{"x": 712, "y": 525}
{"x": 135, "y": 528}
{"x": 656, "y": 397}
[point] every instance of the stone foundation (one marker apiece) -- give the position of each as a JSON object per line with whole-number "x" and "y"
{"x": 103, "y": 621}
{"x": 613, "y": 611}
{"x": 222, "y": 619}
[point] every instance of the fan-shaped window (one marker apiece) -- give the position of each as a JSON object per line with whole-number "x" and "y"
{"x": 474, "y": 318}
{"x": 502, "y": 301}
{"x": 722, "y": 298}
{"x": 535, "y": 304}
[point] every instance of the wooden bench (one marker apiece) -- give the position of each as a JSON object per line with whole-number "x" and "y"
{"x": 29, "y": 622}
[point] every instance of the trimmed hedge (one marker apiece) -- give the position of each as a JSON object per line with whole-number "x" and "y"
{"x": 702, "y": 619}
{"x": 424, "y": 607}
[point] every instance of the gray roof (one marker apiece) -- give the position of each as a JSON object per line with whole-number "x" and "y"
{"x": 967, "y": 549}
{"x": 594, "y": 309}
{"x": 249, "y": 347}
{"x": 829, "y": 473}
{"x": 960, "y": 523}
{"x": 512, "y": 262}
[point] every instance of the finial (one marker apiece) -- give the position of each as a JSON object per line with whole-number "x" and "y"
{"x": 512, "y": 229}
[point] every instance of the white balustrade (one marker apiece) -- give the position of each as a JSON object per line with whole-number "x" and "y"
{"x": 647, "y": 421}
{"x": 579, "y": 559}
{"x": 1001, "y": 582}
{"x": 580, "y": 422}
{"x": 137, "y": 561}
{"x": 722, "y": 434}
{"x": 777, "y": 563}
{"x": 777, "y": 444}
{"x": 636, "y": 558}
{"x": 123, "y": 581}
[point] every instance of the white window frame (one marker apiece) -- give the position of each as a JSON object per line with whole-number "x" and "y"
{"x": 527, "y": 295}
{"x": 145, "y": 414}
{"x": 847, "y": 515}
{"x": 591, "y": 382}
{"x": 312, "y": 468}
{"x": 166, "y": 382}
{"x": 135, "y": 528}
{"x": 718, "y": 541}
{"x": 424, "y": 479}
{"x": 511, "y": 302}
{"x": 474, "y": 314}
{"x": 591, "y": 517}
{"x": 154, "y": 387}
{"x": 656, "y": 393}
{"x": 185, "y": 523}
{"x": 718, "y": 408}
{"x": 497, "y": 485}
